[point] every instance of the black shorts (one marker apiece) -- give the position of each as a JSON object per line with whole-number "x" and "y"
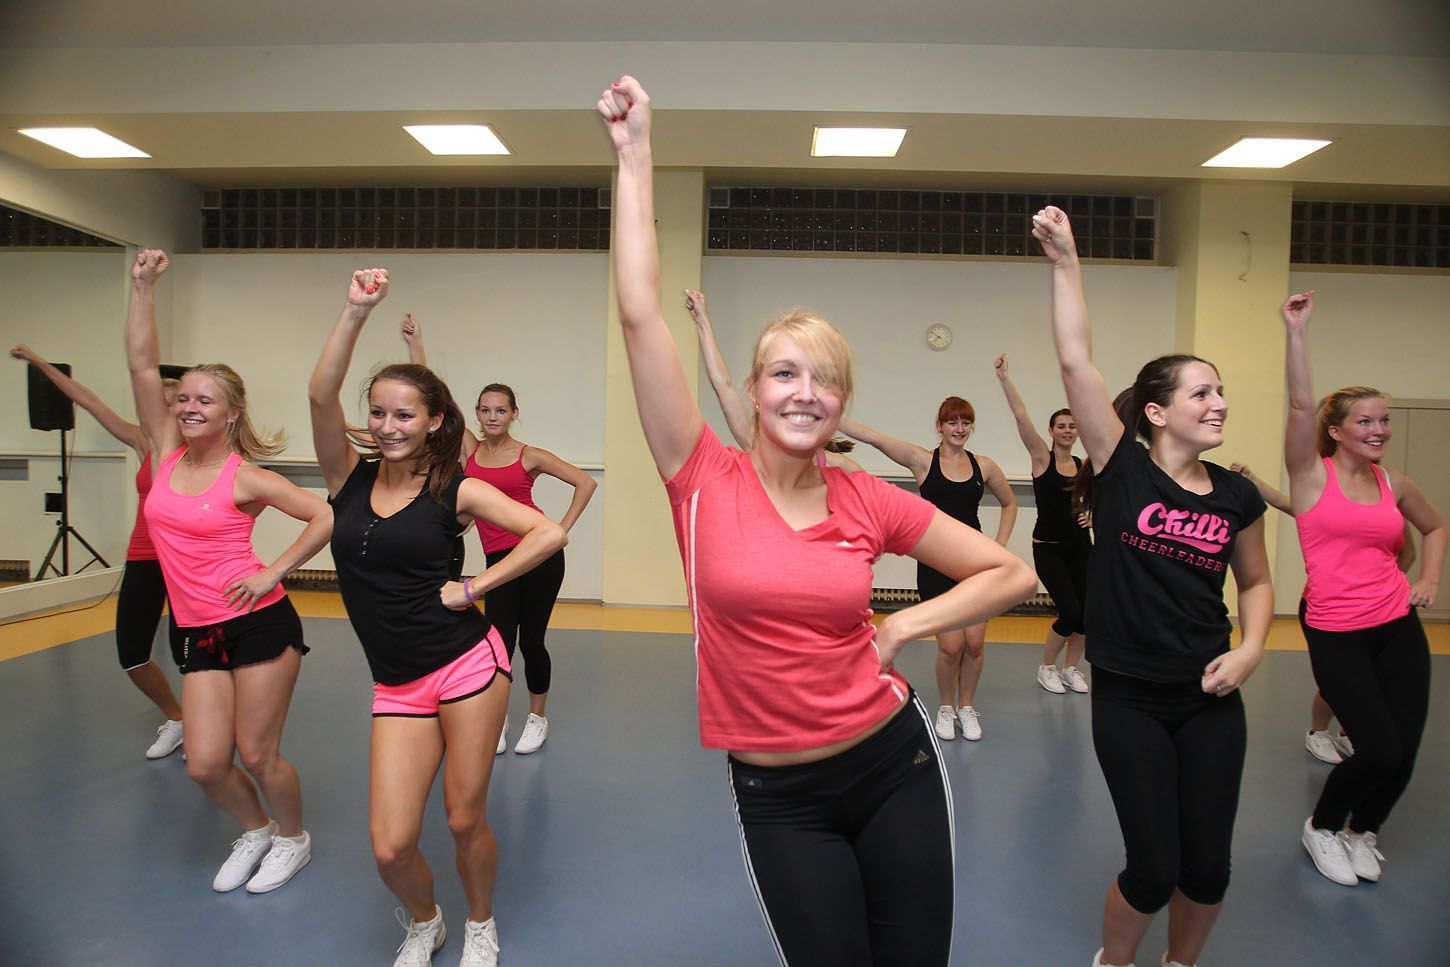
{"x": 244, "y": 640}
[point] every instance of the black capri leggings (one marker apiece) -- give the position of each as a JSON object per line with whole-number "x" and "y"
{"x": 138, "y": 612}
{"x": 851, "y": 858}
{"x": 1172, "y": 757}
{"x": 1377, "y": 680}
{"x": 520, "y": 611}
{"x": 1063, "y": 568}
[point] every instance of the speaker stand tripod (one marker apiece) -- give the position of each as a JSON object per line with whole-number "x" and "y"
{"x": 64, "y": 531}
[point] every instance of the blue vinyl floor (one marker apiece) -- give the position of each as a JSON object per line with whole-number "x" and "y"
{"x": 617, "y": 842}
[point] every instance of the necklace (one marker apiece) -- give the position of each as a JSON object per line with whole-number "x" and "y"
{"x": 204, "y": 466}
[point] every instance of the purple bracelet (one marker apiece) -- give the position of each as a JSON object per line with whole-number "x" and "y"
{"x": 468, "y": 592}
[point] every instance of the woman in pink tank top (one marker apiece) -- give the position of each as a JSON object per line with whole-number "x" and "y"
{"x": 143, "y": 592}
{"x": 1369, "y": 653}
{"x": 241, "y": 637}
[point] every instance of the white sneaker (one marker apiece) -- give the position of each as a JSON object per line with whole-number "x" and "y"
{"x": 285, "y": 859}
{"x": 422, "y": 941}
{"x": 1321, "y": 746}
{"x": 247, "y": 852}
{"x": 1175, "y": 963}
{"x": 1327, "y": 851}
{"x": 480, "y": 944}
{"x": 536, "y": 730}
{"x": 971, "y": 728}
{"x": 1342, "y": 743}
{"x": 1364, "y": 855}
{"x": 1048, "y": 678}
{"x": 503, "y": 738}
{"x": 1098, "y": 959}
{"x": 168, "y": 739}
{"x": 946, "y": 723}
{"x": 1074, "y": 679}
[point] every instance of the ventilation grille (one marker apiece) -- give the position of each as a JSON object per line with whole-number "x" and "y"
{"x": 14, "y": 571}
{"x": 895, "y": 599}
{"x": 1364, "y": 233}
{"x": 20, "y": 229}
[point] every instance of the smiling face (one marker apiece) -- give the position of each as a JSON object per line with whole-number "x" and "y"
{"x": 1365, "y": 429}
{"x": 201, "y": 408}
{"x": 797, "y": 408}
{"x": 1197, "y": 411}
{"x": 495, "y": 414}
{"x": 398, "y": 419}
{"x": 1063, "y": 431}
{"x": 956, "y": 431}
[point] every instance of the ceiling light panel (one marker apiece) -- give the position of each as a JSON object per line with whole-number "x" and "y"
{"x": 1264, "y": 153}
{"x": 457, "y": 138}
{"x": 857, "y": 142}
{"x": 84, "y": 142}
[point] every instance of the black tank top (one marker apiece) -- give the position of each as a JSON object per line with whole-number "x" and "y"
{"x": 1056, "y": 523}
{"x": 958, "y": 499}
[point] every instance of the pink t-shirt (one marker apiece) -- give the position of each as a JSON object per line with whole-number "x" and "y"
{"x": 783, "y": 637}
{"x": 141, "y": 548}
{"x": 517, "y": 484}
{"x": 1353, "y": 581}
{"x": 204, "y": 543}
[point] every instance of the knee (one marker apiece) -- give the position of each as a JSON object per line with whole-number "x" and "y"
{"x": 1205, "y": 885}
{"x": 206, "y": 771}
{"x": 391, "y": 855}
{"x": 1380, "y": 759}
{"x": 1148, "y": 885}
{"x": 467, "y": 824}
{"x": 949, "y": 647}
{"x": 257, "y": 760}
{"x": 973, "y": 649}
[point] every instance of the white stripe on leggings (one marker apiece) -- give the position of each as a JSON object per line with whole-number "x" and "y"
{"x": 750, "y": 870}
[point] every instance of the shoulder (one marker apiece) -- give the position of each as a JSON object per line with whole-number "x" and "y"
{"x": 1128, "y": 454}
{"x": 1239, "y": 491}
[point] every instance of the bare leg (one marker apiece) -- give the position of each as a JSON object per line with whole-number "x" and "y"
{"x": 1076, "y": 643}
{"x": 972, "y": 662}
{"x": 1189, "y": 924}
{"x": 949, "y": 648}
{"x": 1123, "y": 928}
{"x": 1319, "y": 714}
{"x": 151, "y": 680}
{"x": 406, "y": 753}
{"x": 1053, "y": 648}
{"x": 208, "y": 707}
{"x": 471, "y": 729}
{"x": 263, "y": 692}
{"x": 537, "y": 703}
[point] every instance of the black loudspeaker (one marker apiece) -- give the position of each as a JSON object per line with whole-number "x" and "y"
{"x": 50, "y": 409}
{"x": 170, "y": 371}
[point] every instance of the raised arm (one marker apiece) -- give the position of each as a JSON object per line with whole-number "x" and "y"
{"x": 1037, "y": 448}
{"x": 335, "y": 454}
{"x": 909, "y": 455}
{"x": 413, "y": 336}
{"x": 83, "y": 396}
{"x": 1274, "y": 497}
{"x": 143, "y": 354}
{"x": 542, "y": 461}
{"x": 1307, "y": 476}
{"x": 1087, "y": 394}
{"x": 737, "y": 415}
{"x": 668, "y": 412}
{"x": 541, "y": 538}
{"x": 997, "y": 485}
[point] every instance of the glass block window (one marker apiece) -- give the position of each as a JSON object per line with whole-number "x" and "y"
{"x": 20, "y": 229}
{"x": 1370, "y": 233}
{"x": 931, "y": 222}
{"x": 474, "y": 219}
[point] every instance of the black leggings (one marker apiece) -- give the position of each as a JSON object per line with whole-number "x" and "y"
{"x": 852, "y": 857}
{"x": 520, "y": 611}
{"x": 138, "y": 612}
{"x": 1172, "y": 757}
{"x": 1377, "y": 680}
{"x": 1063, "y": 570}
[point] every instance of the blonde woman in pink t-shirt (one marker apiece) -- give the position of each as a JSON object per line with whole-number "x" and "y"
{"x": 241, "y": 639}
{"x": 1369, "y": 653}
{"x": 838, "y": 786}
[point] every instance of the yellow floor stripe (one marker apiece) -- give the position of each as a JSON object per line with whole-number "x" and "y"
{"x": 82, "y": 621}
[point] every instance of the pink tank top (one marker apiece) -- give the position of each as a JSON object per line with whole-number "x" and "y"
{"x": 516, "y": 484}
{"x": 141, "y": 548}
{"x": 1349, "y": 556}
{"x": 204, "y": 544}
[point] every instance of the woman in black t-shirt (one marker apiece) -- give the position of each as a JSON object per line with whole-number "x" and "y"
{"x": 441, "y": 671}
{"x": 1168, "y": 722}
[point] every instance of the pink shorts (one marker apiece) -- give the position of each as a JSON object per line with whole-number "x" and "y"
{"x": 464, "y": 677}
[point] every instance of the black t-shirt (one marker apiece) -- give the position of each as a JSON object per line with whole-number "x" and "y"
{"x": 390, "y": 570}
{"x": 1155, "y": 588}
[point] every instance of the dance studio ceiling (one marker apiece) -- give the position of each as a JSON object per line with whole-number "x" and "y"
{"x": 1129, "y": 93}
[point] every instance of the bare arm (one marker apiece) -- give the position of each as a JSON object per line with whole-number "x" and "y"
{"x": 83, "y": 396}
{"x": 997, "y": 485}
{"x": 909, "y": 455}
{"x": 335, "y": 454}
{"x": 1250, "y": 564}
{"x": 542, "y": 461}
{"x": 1087, "y": 394}
{"x": 1431, "y": 524}
{"x": 671, "y": 419}
{"x": 143, "y": 354}
{"x": 1037, "y": 448}
{"x": 842, "y": 462}
{"x": 1274, "y": 497}
{"x": 737, "y": 415}
{"x": 541, "y": 539}
{"x": 991, "y": 580}
{"x": 1307, "y": 476}
{"x": 413, "y": 337}
{"x": 257, "y": 486}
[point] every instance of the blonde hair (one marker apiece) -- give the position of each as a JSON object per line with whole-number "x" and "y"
{"x": 241, "y": 435}
{"x": 1334, "y": 410}
{"x": 819, "y": 339}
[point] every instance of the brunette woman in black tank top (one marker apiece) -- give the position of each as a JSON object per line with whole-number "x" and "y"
{"x": 954, "y": 479}
{"x": 1061, "y": 541}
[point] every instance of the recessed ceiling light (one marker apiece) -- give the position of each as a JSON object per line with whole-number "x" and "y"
{"x": 457, "y": 138}
{"x": 84, "y": 142}
{"x": 1264, "y": 153}
{"x": 856, "y": 142}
